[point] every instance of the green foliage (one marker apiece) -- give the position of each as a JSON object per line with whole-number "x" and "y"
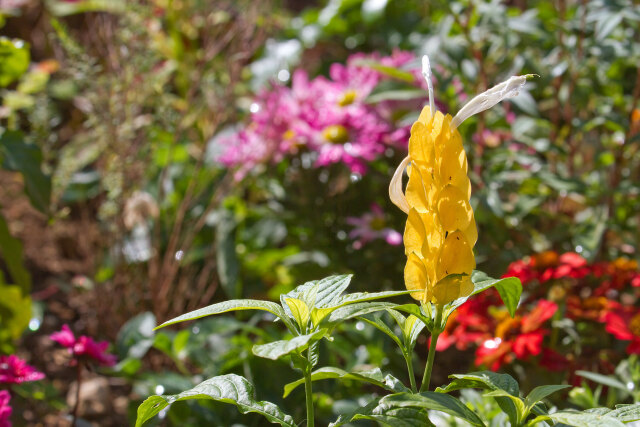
{"x": 231, "y": 389}
{"x": 14, "y": 60}
{"x": 373, "y": 376}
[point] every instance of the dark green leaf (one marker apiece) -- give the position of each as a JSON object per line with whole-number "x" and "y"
{"x": 11, "y": 250}
{"x": 25, "y": 158}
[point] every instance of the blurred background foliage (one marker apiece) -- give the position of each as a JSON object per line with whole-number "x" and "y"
{"x": 116, "y": 211}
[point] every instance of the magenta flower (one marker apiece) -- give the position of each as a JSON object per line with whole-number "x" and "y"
{"x": 84, "y": 346}
{"x": 14, "y": 370}
{"x": 324, "y": 117}
{"x": 5, "y": 409}
{"x": 371, "y": 226}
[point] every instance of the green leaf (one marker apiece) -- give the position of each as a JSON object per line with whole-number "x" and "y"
{"x": 416, "y": 311}
{"x": 136, "y": 336}
{"x": 355, "y": 298}
{"x": 412, "y": 329}
{"x": 11, "y": 250}
{"x": 391, "y": 417}
{"x": 386, "y": 70}
{"x": 15, "y": 313}
{"x": 379, "y": 324}
{"x": 583, "y": 419}
{"x": 373, "y": 376}
{"x": 354, "y": 310}
{"x": 327, "y": 291}
{"x": 230, "y": 388}
{"x": 14, "y": 60}
{"x": 396, "y": 95}
{"x": 626, "y": 413}
{"x": 299, "y": 311}
{"x": 232, "y": 305}
{"x": 64, "y": 8}
{"x": 603, "y": 379}
{"x": 623, "y": 413}
{"x": 539, "y": 393}
{"x": 521, "y": 411}
{"x": 509, "y": 289}
{"x": 25, "y": 158}
{"x": 486, "y": 380}
{"x": 277, "y": 349}
{"x": 428, "y": 400}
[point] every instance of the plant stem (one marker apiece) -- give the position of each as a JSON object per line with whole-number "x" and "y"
{"x": 309, "y": 394}
{"x": 77, "y": 402}
{"x": 412, "y": 376}
{"x": 426, "y": 379}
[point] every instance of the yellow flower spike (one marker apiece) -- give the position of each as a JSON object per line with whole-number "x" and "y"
{"x": 441, "y": 230}
{"x": 421, "y": 147}
{"x": 454, "y": 210}
{"x": 420, "y": 190}
{"x": 456, "y": 256}
{"x": 415, "y": 277}
{"x": 415, "y": 234}
{"x": 471, "y": 232}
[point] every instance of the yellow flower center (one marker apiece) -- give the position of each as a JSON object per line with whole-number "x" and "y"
{"x": 634, "y": 325}
{"x": 347, "y": 98}
{"x": 336, "y": 134}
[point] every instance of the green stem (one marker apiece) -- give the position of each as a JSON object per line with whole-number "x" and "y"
{"x": 412, "y": 376}
{"x": 309, "y": 394}
{"x": 426, "y": 379}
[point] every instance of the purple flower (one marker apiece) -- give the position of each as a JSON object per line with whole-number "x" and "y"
{"x": 84, "y": 346}
{"x": 14, "y": 370}
{"x": 5, "y": 409}
{"x": 371, "y": 226}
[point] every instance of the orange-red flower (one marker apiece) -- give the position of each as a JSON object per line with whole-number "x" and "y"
{"x": 625, "y": 325}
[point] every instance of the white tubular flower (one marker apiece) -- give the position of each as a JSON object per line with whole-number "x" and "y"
{"x": 426, "y": 73}
{"x": 489, "y": 98}
{"x": 395, "y": 187}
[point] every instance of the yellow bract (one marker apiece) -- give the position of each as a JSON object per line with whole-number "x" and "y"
{"x": 441, "y": 230}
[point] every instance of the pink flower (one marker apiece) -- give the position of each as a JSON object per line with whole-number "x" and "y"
{"x": 84, "y": 346}
{"x": 14, "y": 370}
{"x": 324, "y": 117}
{"x": 371, "y": 226}
{"x": 5, "y": 409}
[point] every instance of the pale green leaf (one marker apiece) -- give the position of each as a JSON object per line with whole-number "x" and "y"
{"x": 277, "y": 349}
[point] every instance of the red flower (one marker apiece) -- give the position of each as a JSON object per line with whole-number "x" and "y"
{"x": 625, "y": 326}
{"x": 84, "y": 346}
{"x": 592, "y": 308}
{"x": 14, "y": 370}
{"x": 519, "y": 337}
